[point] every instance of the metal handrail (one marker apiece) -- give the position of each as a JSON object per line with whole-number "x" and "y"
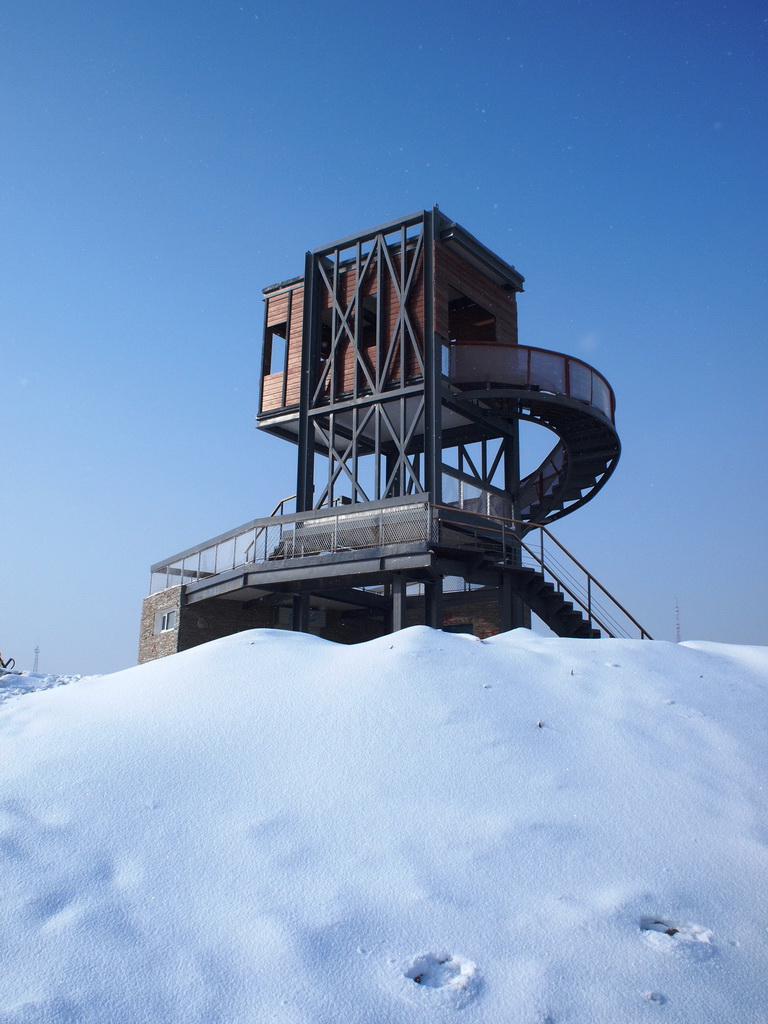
{"x": 276, "y": 537}
{"x": 326, "y": 531}
{"x": 530, "y": 371}
{"x": 279, "y": 507}
{"x": 538, "y": 557}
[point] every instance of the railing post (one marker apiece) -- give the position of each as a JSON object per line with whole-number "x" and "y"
{"x": 541, "y": 548}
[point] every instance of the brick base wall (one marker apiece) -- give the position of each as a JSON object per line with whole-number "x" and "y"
{"x": 483, "y": 613}
{"x": 476, "y": 611}
{"x": 209, "y": 620}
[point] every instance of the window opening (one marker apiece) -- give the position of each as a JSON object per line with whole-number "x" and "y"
{"x": 468, "y": 321}
{"x": 165, "y": 620}
{"x": 277, "y": 345}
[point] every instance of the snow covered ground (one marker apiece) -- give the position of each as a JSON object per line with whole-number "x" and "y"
{"x": 424, "y": 828}
{"x": 14, "y": 683}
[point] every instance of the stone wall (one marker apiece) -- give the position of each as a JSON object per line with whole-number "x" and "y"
{"x": 196, "y": 624}
{"x": 154, "y": 644}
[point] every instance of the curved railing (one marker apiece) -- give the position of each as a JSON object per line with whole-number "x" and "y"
{"x": 539, "y": 369}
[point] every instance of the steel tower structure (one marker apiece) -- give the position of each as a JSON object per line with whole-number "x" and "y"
{"x": 394, "y": 365}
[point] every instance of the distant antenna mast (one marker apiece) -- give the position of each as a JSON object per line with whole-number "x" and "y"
{"x": 37, "y": 658}
{"x": 677, "y": 622}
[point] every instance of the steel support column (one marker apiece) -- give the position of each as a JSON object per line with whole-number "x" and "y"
{"x": 309, "y": 345}
{"x": 513, "y": 612}
{"x": 301, "y": 613}
{"x": 433, "y": 603}
{"x": 433, "y": 441}
{"x": 398, "y": 602}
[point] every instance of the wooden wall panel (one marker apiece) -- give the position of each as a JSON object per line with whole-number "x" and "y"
{"x": 451, "y": 269}
{"x": 272, "y": 392}
{"x": 277, "y": 313}
{"x": 277, "y": 308}
{"x": 345, "y": 364}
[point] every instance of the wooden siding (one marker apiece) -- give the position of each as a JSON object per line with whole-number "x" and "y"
{"x": 277, "y": 313}
{"x": 452, "y": 270}
{"x": 349, "y": 376}
{"x": 346, "y": 366}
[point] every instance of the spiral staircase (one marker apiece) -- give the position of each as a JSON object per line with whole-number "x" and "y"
{"x": 573, "y": 401}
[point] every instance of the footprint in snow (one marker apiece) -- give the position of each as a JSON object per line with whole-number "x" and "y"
{"x": 448, "y": 978}
{"x": 678, "y": 937}
{"x": 657, "y": 998}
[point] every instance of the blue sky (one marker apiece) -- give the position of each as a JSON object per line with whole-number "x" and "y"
{"x": 163, "y": 162}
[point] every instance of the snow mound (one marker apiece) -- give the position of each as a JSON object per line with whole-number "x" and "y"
{"x": 276, "y": 828}
{"x": 14, "y": 683}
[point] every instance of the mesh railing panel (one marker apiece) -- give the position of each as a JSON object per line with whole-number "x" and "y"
{"x": 299, "y": 537}
{"x": 474, "y": 362}
{"x": 355, "y": 531}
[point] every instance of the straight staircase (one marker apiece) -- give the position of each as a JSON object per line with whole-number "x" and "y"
{"x": 542, "y": 572}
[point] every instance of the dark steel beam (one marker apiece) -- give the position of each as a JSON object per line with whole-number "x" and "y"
{"x": 366, "y": 236}
{"x": 309, "y": 346}
{"x": 433, "y": 445}
{"x": 351, "y": 595}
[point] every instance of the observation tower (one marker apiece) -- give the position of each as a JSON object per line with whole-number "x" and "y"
{"x": 393, "y": 366}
